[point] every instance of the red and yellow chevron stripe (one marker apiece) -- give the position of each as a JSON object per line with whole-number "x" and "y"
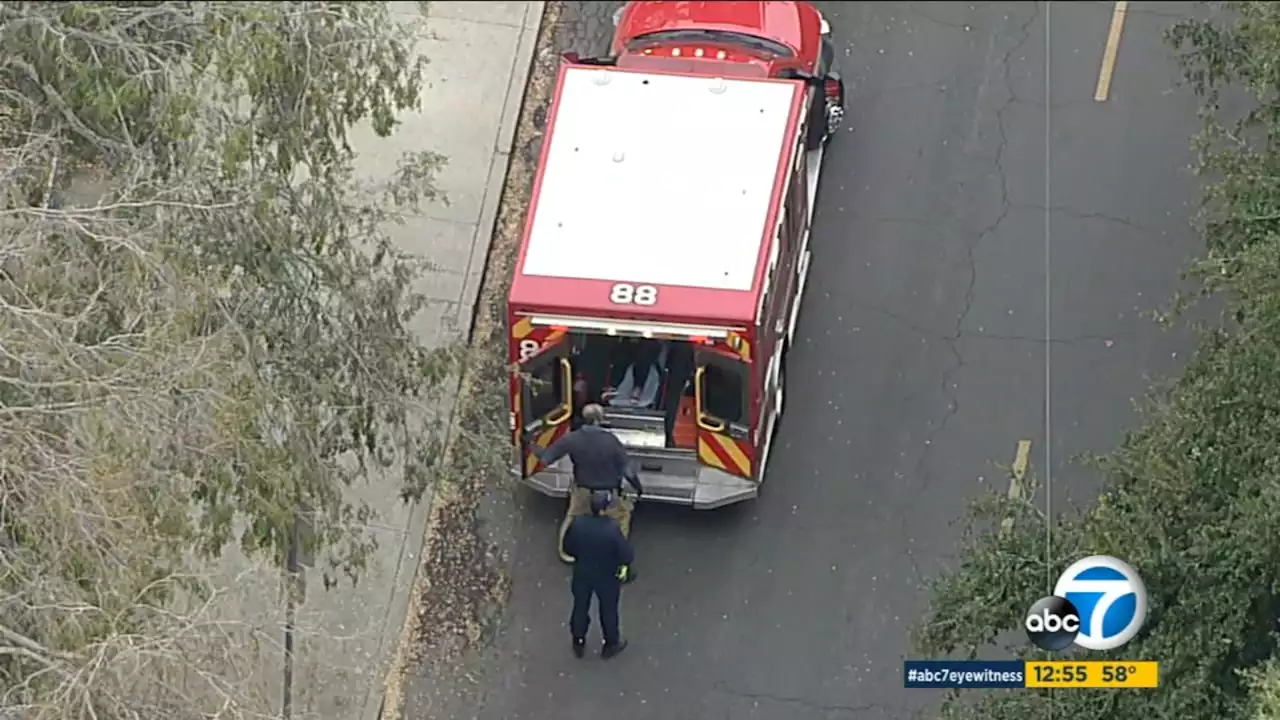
{"x": 739, "y": 344}
{"x": 524, "y": 329}
{"x": 521, "y": 329}
{"x": 724, "y": 453}
{"x": 543, "y": 439}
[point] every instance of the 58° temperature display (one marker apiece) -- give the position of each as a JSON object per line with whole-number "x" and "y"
{"x": 1093, "y": 674}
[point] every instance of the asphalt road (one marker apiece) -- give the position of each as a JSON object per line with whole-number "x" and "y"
{"x": 925, "y": 355}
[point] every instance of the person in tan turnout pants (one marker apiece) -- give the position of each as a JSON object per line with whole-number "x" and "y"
{"x": 600, "y": 462}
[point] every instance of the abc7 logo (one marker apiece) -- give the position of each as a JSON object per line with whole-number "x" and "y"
{"x": 1053, "y": 623}
{"x": 1112, "y": 609}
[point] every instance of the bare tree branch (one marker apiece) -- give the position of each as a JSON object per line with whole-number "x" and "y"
{"x": 203, "y": 330}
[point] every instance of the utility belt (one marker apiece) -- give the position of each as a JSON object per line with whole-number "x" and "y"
{"x": 615, "y": 487}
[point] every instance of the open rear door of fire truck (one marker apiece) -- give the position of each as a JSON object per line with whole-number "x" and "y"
{"x": 722, "y": 413}
{"x": 545, "y": 402}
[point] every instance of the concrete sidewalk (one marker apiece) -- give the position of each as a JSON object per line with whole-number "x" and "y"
{"x": 480, "y": 54}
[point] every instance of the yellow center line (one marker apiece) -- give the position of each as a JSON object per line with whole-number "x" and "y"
{"x": 1017, "y": 479}
{"x": 1109, "y": 54}
{"x": 1020, "y": 460}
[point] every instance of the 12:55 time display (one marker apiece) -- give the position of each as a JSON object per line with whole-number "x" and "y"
{"x": 1060, "y": 674}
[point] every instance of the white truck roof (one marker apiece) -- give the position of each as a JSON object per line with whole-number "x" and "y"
{"x": 660, "y": 179}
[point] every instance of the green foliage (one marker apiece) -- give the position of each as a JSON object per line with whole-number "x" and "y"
{"x": 1264, "y": 688}
{"x": 1192, "y": 496}
{"x": 206, "y": 331}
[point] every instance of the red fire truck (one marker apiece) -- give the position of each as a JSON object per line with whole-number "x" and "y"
{"x": 666, "y": 247}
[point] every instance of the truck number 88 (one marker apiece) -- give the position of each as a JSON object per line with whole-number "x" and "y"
{"x": 624, "y": 294}
{"x": 528, "y": 348}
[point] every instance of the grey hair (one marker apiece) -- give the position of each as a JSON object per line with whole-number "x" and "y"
{"x": 593, "y": 414}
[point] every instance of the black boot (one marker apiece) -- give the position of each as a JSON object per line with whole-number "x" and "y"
{"x": 579, "y": 647}
{"x": 612, "y": 650}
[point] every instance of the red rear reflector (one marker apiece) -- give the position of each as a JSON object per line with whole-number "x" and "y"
{"x": 831, "y": 88}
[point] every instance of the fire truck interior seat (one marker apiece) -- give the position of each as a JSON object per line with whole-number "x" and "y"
{"x": 624, "y": 395}
{"x": 594, "y": 359}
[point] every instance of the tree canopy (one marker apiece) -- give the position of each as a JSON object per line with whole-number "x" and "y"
{"x": 204, "y": 330}
{"x": 1192, "y": 495}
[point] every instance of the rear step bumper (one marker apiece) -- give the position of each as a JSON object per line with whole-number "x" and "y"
{"x": 707, "y": 489}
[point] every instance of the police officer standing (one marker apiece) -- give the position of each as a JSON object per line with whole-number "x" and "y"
{"x": 602, "y": 557}
{"x": 600, "y": 462}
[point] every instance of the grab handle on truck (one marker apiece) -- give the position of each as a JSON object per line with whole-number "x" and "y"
{"x": 705, "y": 421}
{"x": 565, "y": 411}
{"x": 559, "y": 417}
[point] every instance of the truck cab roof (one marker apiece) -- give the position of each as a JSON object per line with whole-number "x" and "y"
{"x": 789, "y": 32}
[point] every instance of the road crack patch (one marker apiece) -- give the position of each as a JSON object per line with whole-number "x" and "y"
{"x": 952, "y": 340}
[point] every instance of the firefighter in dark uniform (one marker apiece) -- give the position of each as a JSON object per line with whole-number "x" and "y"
{"x": 603, "y": 558}
{"x": 600, "y": 462}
